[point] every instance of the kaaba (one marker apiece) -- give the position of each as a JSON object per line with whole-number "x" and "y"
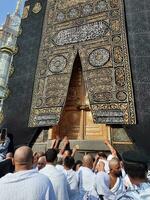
{"x": 81, "y": 70}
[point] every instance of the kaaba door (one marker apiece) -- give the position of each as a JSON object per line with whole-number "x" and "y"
{"x": 76, "y": 120}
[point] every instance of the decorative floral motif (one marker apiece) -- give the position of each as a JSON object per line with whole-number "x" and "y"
{"x": 101, "y": 6}
{"x": 87, "y": 10}
{"x": 73, "y": 13}
{"x": 99, "y": 57}
{"x": 37, "y": 8}
{"x": 121, "y": 96}
{"x": 118, "y": 54}
{"x": 102, "y": 96}
{"x": 57, "y": 64}
{"x": 120, "y": 76}
{"x": 114, "y": 3}
{"x": 39, "y": 103}
{"x": 60, "y": 17}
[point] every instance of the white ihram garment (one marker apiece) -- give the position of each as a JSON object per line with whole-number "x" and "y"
{"x": 58, "y": 180}
{"x": 73, "y": 184}
{"x": 86, "y": 179}
{"x": 26, "y": 185}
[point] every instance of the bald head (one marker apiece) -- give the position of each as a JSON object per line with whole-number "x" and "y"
{"x": 113, "y": 162}
{"x": 115, "y": 168}
{"x": 88, "y": 161}
{"x": 23, "y": 157}
{"x": 41, "y": 162}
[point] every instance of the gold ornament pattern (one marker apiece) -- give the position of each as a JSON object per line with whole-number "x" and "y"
{"x": 99, "y": 57}
{"x": 25, "y": 12}
{"x": 96, "y": 31}
{"x": 1, "y": 117}
{"x": 37, "y": 8}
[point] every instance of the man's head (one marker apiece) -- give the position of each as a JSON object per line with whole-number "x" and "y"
{"x": 69, "y": 162}
{"x": 115, "y": 168}
{"x": 51, "y": 155}
{"x": 41, "y": 162}
{"x": 136, "y": 170}
{"x": 36, "y": 156}
{"x": 23, "y": 158}
{"x": 88, "y": 161}
{"x": 135, "y": 164}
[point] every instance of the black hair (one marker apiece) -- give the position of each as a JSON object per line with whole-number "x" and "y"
{"x": 78, "y": 162}
{"x": 69, "y": 162}
{"x": 51, "y": 155}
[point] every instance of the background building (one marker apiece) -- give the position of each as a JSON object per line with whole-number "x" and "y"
{"x": 8, "y": 38}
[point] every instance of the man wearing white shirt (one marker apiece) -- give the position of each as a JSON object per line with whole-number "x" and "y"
{"x": 57, "y": 178}
{"x": 25, "y": 183}
{"x": 71, "y": 178}
{"x": 86, "y": 177}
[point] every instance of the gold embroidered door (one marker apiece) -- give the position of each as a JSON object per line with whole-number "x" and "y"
{"x": 76, "y": 120}
{"x": 96, "y": 30}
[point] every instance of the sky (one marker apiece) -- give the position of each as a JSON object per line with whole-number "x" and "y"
{"x": 6, "y": 6}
